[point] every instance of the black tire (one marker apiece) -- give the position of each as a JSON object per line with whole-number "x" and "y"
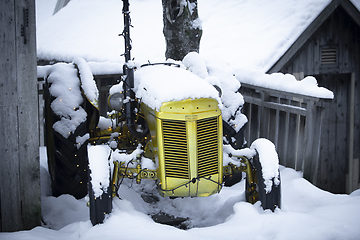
{"x": 67, "y": 163}
{"x": 100, "y": 206}
{"x": 256, "y": 191}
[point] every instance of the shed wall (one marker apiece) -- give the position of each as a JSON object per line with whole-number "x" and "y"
{"x": 342, "y": 35}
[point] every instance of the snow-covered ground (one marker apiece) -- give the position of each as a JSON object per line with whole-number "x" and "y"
{"x": 307, "y": 213}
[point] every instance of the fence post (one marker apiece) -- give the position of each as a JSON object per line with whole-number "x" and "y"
{"x": 309, "y": 139}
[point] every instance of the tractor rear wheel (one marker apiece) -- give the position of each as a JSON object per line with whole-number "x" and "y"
{"x": 67, "y": 162}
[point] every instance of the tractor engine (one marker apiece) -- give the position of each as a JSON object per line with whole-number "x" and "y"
{"x": 186, "y": 141}
{"x": 183, "y": 132}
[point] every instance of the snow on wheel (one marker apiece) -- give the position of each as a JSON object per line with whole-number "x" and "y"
{"x": 264, "y": 185}
{"x": 68, "y": 117}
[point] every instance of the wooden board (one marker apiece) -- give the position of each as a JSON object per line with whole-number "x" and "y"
{"x": 19, "y": 145}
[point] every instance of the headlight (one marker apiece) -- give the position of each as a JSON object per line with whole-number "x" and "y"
{"x": 116, "y": 101}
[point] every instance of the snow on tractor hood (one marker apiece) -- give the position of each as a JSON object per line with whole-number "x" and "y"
{"x": 156, "y": 84}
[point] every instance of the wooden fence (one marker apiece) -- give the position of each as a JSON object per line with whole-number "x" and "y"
{"x": 291, "y": 121}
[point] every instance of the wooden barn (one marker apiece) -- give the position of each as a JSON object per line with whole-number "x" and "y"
{"x": 329, "y": 49}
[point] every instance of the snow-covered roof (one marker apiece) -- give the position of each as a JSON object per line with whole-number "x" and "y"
{"x": 248, "y": 33}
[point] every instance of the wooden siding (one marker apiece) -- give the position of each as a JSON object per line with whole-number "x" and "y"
{"x": 19, "y": 148}
{"x": 334, "y": 151}
{"x": 339, "y": 31}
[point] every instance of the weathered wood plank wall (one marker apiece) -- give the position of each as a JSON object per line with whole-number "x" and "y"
{"x": 341, "y": 154}
{"x": 19, "y": 146}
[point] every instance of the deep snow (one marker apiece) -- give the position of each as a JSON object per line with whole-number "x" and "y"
{"x": 307, "y": 213}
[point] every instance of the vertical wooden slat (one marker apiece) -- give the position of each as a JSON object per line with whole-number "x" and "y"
{"x": 28, "y": 114}
{"x": 249, "y": 115}
{"x": 255, "y": 123}
{"x": 19, "y": 163}
{"x": 342, "y": 130}
{"x": 299, "y": 140}
{"x": 309, "y": 139}
{"x": 353, "y": 170}
{"x": 262, "y": 119}
{"x": 277, "y": 124}
{"x": 281, "y": 147}
{"x": 272, "y": 125}
{"x": 259, "y": 126}
{"x": 286, "y": 137}
{"x": 9, "y": 163}
{"x": 315, "y": 160}
{"x": 9, "y": 167}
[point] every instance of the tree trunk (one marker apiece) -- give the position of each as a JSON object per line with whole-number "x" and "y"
{"x": 182, "y": 28}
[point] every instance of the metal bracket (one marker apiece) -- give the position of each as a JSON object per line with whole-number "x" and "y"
{"x": 25, "y": 24}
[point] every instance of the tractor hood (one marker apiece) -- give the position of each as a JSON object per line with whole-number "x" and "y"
{"x": 157, "y": 84}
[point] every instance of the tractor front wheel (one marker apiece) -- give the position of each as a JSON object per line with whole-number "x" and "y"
{"x": 256, "y": 190}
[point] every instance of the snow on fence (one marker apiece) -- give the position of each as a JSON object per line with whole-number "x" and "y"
{"x": 291, "y": 121}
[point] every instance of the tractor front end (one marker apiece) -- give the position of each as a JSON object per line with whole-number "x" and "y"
{"x": 187, "y": 146}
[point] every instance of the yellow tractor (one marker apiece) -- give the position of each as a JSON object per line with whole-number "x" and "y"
{"x": 180, "y": 130}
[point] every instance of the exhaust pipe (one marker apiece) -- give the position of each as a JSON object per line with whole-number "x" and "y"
{"x": 128, "y": 70}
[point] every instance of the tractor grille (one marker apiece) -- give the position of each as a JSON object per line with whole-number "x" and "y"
{"x": 175, "y": 149}
{"x": 207, "y": 146}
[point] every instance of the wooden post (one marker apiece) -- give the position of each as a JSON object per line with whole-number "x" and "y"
{"x": 285, "y": 153}
{"x": 20, "y": 207}
{"x": 310, "y": 141}
{"x": 352, "y": 182}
